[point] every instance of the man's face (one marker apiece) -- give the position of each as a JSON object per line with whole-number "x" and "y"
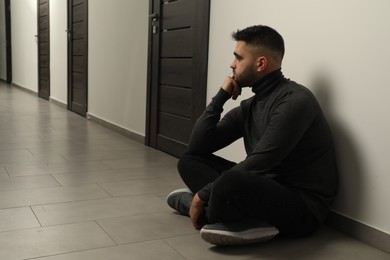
{"x": 244, "y": 65}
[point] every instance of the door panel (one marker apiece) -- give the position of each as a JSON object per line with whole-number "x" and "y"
{"x": 43, "y": 49}
{"x": 78, "y": 47}
{"x": 176, "y": 101}
{"x": 178, "y": 14}
{"x": 178, "y": 43}
{"x": 78, "y": 13}
{"x": 177, "y": 71}
{"x": 78, "y": 56}
{"x": 174, "y": 127}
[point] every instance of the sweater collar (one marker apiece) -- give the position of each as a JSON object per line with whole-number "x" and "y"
{"x": 266, "y": 85}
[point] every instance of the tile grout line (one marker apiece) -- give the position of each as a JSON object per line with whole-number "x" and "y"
{"x": 97, "y": 223}
{"x": 32, "y": 210}
{"x": 174, "y": 249}
{"x": 103, "y": 189}
{"x": 54, "y": 178}
{"x": 5, "y": 168}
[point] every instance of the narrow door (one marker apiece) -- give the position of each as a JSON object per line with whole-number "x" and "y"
{"x": 78, "y": 56}
{"x": 177, "y": 71}
{"x": 43, "y": 49}
{"x": 7, "y": 11}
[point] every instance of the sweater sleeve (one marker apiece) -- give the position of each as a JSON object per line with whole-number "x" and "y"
{"x": 210, "y": 133}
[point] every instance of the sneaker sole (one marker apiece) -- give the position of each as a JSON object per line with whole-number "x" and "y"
{"x": 179, "y": 191}
{"x": 228, "y": 238}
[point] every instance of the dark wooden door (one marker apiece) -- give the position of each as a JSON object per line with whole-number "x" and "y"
{"x": 78, "y": 56}
{"x": 7, "y": 12}
{"x": 43, "y": 49}
{"x": 177, "y": 71}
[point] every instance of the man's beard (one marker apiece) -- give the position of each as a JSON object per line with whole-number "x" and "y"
{"x": 246, "y": 78}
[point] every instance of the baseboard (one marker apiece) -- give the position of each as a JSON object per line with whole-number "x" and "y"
{"x": 120, "y": 130}
{"x": 359, "y": 231}
{"x": 24, "y": 89}
{"x": 58, "y": 103}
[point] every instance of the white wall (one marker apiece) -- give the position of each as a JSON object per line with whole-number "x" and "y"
{"x": 118, "y": 44}
{"x": 3, "y": 60}
{"x": 58, "y": 51}
{"x": 24, "y": 43}
{"x": 336, "y": 47}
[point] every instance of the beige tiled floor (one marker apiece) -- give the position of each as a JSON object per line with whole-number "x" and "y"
{"x": 71, "y": 189}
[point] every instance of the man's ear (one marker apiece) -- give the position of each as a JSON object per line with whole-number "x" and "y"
{"x": 262, "y": 63}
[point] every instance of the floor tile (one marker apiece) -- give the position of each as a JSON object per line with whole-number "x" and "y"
{"x": 21, "y": 154}
{"x": 95, "y": 156}
{"x": 135, "y": 187}
{"x": 42, "y": 159}
{"x": 68, "y": 148}
{"x": 5, "y": 133}
{"x": 147, "y": 227}
{"x": 138, "y": 161}
{"x": 9, "y": 156}
{"x": 17, "y": 218}
{"x": 64, "y": 167}
{"x": 151, "y": 250}
{"x": 21, "y": 140}
{"x": 27, "y": 197}
{"x": 177, "y": 182}
{"x": 3, "y": 172}
{"x": 164, "y": 171}
{"x": 102, "y": 176}
{"x": 129, "y": 146}
{"x": 29, "y": 182}
{"x": 190, "y": 247}
{"x": 46, "y": 241}
{"x": 60, "y": 213}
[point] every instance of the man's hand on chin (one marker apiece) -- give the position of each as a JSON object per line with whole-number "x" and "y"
{"x": 231, "y": 86}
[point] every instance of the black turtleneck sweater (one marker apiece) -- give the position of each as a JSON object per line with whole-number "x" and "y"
{"x": 286, "y": 138}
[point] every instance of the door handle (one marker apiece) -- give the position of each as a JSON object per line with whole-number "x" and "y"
{"x": 69, "y": 33}
{"x": 154, "y": 16}
{"x": 155, "y": 23}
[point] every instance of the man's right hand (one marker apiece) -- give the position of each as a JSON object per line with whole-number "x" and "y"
{"x": 197, "y": 208}
{"x": 231, "y": 87}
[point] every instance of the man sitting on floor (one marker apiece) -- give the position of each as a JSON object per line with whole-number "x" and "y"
{"x": 288, "y": 179}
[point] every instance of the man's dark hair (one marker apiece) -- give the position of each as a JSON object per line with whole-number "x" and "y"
{"x": 261, "y": 35}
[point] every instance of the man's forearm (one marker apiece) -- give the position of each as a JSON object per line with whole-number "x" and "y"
{"x": 203, "y": 138}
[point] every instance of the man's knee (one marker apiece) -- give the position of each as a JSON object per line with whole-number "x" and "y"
{"x": 234, "y": 182}
{"x": 230, "y": 182}
{"x": 183, "y": 163}
{"x": 236, "y": 178}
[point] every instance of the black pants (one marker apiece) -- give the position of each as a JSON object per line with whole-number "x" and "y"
{"x": 236, "y": 195}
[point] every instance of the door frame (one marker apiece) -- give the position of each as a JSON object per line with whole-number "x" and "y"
{"x": 153, "y": 75}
